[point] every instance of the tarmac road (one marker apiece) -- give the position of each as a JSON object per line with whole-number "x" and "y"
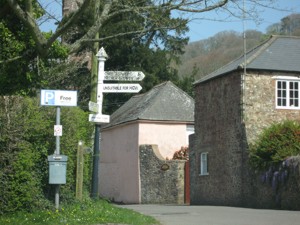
{"x": 216, "y": 215}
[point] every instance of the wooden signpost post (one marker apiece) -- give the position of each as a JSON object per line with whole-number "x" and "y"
{"x": 100, "y": 118}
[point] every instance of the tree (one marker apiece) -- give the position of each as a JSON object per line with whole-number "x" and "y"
{"x": 20, "y": 65}
{"x": 150, "y": 12}
{"x": 289, "y": 25}
{"x": 156, "y": 23}
{"x": 210, "y": 54}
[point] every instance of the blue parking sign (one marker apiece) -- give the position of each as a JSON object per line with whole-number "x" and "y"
{"x": 58, "y": 98}
{"x": 49, "y": 97}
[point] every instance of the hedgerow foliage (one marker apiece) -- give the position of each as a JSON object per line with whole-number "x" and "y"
{"x": 275, "y": 144}
{"x": 26, "y": 139}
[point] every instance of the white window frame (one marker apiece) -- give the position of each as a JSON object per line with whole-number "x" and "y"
{"x": 288, "y": 92}
{"x": 203, "y": 164}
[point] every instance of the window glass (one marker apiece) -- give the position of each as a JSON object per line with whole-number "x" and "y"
{"x": 203, "y": 164}
{"x": 287, "y": 94}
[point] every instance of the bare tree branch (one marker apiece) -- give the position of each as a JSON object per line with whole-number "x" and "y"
{"x": 107, "y": 12}
{"x": 30, "y": 23}
{"x": 69, "y": 22}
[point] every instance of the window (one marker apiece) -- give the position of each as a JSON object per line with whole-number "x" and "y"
{"x": 203, "y": 163}
{"x": 287, "y": 94}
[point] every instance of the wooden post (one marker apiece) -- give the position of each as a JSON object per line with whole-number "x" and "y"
{"x": 79, "y": 171}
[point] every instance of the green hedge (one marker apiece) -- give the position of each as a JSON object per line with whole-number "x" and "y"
{"x": 26, "y": 139}
{"x": 275, "y": 144}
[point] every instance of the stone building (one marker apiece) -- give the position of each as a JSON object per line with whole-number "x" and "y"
{"x": 135, "y": 145}
{"x": 232, "y": 107}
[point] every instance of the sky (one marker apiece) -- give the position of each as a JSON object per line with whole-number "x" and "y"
{"x": 203, "y": 29}
{"x": 207, "y": 26}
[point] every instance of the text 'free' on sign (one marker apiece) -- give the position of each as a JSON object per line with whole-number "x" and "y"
{"x": 58, "y": 98}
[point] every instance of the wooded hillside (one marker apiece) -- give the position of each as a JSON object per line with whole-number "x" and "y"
{"x": 207, "y": 55}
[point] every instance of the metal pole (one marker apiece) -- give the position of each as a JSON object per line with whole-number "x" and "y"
{"x": 57, "y": 152}
{"x": 95, "y": 179}
{"x": 57, "y": 187}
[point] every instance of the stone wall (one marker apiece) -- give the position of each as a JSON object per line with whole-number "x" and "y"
{"x": 260, "y": 113}
{"x": 218, "y": 132}
{"x": 260, "y": 191}
{"x": 224, "y": 132}
{"x": 162, "y": 181}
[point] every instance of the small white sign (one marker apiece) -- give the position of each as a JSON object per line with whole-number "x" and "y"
{"x": 99, "y": 118}
{"x": 58, "y": 98}
{"x": 57, "y": 130}
{"x": 93, "y": 107}
{"x": 124, "y": 75}
{"x": 121, "y": 88}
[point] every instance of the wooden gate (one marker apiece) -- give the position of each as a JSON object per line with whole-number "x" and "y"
{"x": 187, "y": 183}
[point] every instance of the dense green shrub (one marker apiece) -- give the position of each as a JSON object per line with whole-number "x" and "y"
{"x": 26, "y": 139}
{"x": 275, "y": 144}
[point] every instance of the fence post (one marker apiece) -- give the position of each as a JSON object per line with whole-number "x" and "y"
{"x": 79, "y": 171}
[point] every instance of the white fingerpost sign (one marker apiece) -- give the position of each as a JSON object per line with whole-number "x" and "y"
{"x": 99, "y": 118}
{"x": 94, "y": 107}
{"x": 124, "y": 75}
{"x": 121, "y": 88}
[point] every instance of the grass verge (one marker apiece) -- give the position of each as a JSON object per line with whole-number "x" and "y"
{"x": 83, "y": 213}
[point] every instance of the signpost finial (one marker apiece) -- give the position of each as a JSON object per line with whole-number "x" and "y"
{"x": 102, "y": 54}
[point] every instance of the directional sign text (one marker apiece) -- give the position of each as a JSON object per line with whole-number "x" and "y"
{"x": 99, "y": 118}
{"x": 121, "y": 88}
{"x": 124, "y": 75}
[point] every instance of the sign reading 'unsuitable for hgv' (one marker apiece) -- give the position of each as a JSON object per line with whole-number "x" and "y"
{"x": 58, "y": 98}
{"x": 121, "y": 88}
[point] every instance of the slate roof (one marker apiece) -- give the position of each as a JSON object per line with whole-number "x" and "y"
{"x": 164, "y": 102}
{"x": 278, "y": 53}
